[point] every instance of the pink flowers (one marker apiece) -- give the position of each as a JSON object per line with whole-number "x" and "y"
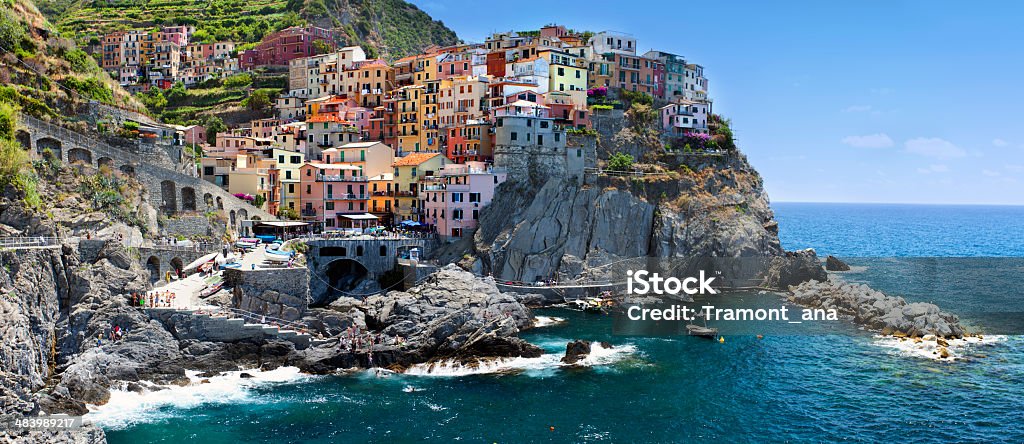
{"x": 243, "y": 196}
{"x": 600, "y": 91}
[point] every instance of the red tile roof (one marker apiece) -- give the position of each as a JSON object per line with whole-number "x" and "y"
{"x": 414, "y": 159}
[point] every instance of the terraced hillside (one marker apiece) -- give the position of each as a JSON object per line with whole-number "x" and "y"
{"x": 390, "y": 28}
{"x": 44, "y": 73}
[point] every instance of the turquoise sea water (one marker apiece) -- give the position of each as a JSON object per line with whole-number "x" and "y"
{"x": 846, "y": 386}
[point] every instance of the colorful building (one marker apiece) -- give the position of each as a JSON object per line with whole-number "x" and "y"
{"x": 408, "y": 172}
{"x": 279, "y": 48}
{"x": 452, "y": 199}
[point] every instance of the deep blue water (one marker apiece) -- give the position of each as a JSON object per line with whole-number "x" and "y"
{"x": 844, "y": 386}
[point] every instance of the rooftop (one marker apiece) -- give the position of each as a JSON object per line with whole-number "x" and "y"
{"x": 414, "y": 159}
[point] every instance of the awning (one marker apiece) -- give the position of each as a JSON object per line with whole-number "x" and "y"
{"x": 410, "y": 223}
{"x": 364, "y": 216}
{"x": 282, "y": 223}
{"x": 196, "y": 263}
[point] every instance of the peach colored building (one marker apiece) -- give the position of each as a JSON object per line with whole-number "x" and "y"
{"x": 453, "y": 198}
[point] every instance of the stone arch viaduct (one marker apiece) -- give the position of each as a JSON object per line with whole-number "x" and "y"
{"x": 375, "y": 256}
{"x": 170, "y": 190}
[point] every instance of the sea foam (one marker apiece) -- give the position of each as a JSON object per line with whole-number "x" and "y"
{"x": 127, "y": 408}
{"x": 543, "y": 365}
{"x": 929, "y": 349}
{"x": 546, "y": 321}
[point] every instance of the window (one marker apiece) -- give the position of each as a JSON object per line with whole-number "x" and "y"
{"x": 514, "y": 135}
{"x": 476, "y": 214}
{"x": 540, "y": 139}
{"x": 291, "y": 188}
{"x": 456, "y": 197}
{"x": 474, "y": 197}
{"x": 309, "y": 189}
{"x": 329, "y": 205}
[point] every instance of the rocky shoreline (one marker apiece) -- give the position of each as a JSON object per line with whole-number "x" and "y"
{"x": 888, "y": 315}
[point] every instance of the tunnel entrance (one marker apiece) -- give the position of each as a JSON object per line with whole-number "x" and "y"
{"x": 343, "y": 275}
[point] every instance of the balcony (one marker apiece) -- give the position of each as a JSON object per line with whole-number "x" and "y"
{"x": 308, "y": 212}
{"x": 384, "y": 193}
{"x": 346, "y": 196}
{"x": 405, "y": 194}
{"x": 339, "y": 178}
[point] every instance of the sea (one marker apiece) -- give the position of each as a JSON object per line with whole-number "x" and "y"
{"x": 845, "y": 384}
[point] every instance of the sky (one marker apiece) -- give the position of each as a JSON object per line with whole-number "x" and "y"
{"x": 867, "y": 101}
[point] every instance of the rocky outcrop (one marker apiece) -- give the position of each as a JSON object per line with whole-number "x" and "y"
{"x": 453, "y": 315}
{"x": 890, "y": 315}
{"x": 794, "y": 268}
{"x": 575, "y": 351}
{"x": 833, "y": 263}
{"x": 559, "y": 229}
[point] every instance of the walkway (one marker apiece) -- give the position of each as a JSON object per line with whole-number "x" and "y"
{"x": 29, "y": 243}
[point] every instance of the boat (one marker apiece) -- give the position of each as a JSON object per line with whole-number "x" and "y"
{"x": 592, "y": 304}
{"x": 247, "y": 242}
{"x": 278, "y": 256}
{"x": 702, "y": 331}
{"x": 266, "y": 238}
{"x": 233, "y": 265}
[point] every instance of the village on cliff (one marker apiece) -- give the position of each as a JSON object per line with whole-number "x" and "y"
{"x": 421, "y": 142}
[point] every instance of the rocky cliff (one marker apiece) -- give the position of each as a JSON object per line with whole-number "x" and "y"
{"x": 708, "y": 207}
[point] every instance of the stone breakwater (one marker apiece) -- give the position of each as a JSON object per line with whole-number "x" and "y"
{"x": 890, "y": 315}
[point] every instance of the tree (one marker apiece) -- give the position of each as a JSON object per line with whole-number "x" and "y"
{"x": 154, "y": 99}
{"x": 8, "y": 120}
{"x": 321, "y": 47}
{"x": 213, "y": 126}
{"x": 258, "y": 101}
{"x": 620, "y": 162}
{"x": 288, "y": 214}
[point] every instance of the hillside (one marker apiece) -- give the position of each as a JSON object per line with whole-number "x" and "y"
{"x": 389, "y": 28}
{"x": 46, "y": 74}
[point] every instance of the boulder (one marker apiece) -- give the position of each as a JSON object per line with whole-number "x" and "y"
{"x": 576, "y": 351}
{"x": 833, "y": 263}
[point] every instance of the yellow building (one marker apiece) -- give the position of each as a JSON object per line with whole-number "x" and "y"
{"x": 381, "y": 196}
{"x": 408, "y": 171}
{"x": 288, "y": 164}
{"x": 252, "y": 176}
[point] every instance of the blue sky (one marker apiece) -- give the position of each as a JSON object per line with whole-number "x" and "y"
{"x": 868, "y": 101}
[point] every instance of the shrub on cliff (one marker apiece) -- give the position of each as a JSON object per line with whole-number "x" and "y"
{"x": 620, "y": 162}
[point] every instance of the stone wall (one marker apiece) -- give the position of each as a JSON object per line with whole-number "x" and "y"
{"x": 365, "y": 252}
{"x": 280, "y": 293}
{"x": 188, "y": 226}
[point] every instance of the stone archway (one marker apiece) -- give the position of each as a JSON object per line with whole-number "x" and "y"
{"x": 24, "y": 139}
{"x": 128, "y": 170}
{"x": 242, "y": 215}
{"x": 343, "y": 275}
{"x": 231, "y": 218}
{"x": 188, "y": 199}
{"x": 220, "y": 203}
{"x": 177, "y": 265}
{"x": 208, "y": 200}
{"x": 80, "y": 155}
{"x": 153, "y": 265}
{"x": 49, "y": 143}
{"x": 168, "y": 196}
{"x": 104, "y": 162}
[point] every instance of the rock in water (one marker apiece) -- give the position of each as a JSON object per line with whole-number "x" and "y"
{"x": 576, "y": 351}
{"x": 794, "y": 268}
{"x": 833, "y": 263}
{"x": 891, "y": 315}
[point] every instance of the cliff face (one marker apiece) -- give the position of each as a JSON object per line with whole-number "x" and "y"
{"x": 556, "y": 228}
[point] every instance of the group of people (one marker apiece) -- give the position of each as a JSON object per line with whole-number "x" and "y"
{"x": 115, "y": 334}
{"x": 153, "y": 299}
{"x": 354, "y": 339}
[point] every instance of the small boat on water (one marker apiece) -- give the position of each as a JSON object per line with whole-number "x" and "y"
{"x": 592, "y": 304}
{"x": 704, "y": 332}
{"x": 233, "y": 265}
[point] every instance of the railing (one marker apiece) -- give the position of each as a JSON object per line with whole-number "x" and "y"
{"x": 339, "y": 178}
{"x": 23, "y": 242}
{"x": 257, "y": 318}
{"x": 347, "y": 196}
{"x": 384, "y": 193}
{"x": 308, "y": 212}
{"x": 405, "y": 193}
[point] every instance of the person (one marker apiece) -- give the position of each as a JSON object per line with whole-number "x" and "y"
{"x": 99, "y": 339}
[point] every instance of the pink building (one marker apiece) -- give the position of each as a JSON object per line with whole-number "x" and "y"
{"x": 684, "y": 117}
{"x": 279, "y": 48}
{"x": 330, "y": 192}
{"x": 452, "y": 199}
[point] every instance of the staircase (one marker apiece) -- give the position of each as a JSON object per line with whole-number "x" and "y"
{"x": 232, "y": 325}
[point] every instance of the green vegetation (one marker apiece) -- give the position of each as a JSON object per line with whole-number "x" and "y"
{"x": 106, "y": 191}
{"x": 620, "y": 162}
{"x": 288, "y": 214}
{"x": 15, "y": 168}
{"x": 213, "y": 126}
{"x": 393, "y": 28}
{"x": 636, "y": 97}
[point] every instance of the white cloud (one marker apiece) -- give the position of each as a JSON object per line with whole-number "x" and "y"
{"x": 934, "y": 168}
{"x": 880, "y": 140}
{"x": 1015, "y": 168}
{"x": 934, "y": 147}
{"x": 999, "y": 142}
{"x": 991, "y": 173}
{"x": 857, "y": 109}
